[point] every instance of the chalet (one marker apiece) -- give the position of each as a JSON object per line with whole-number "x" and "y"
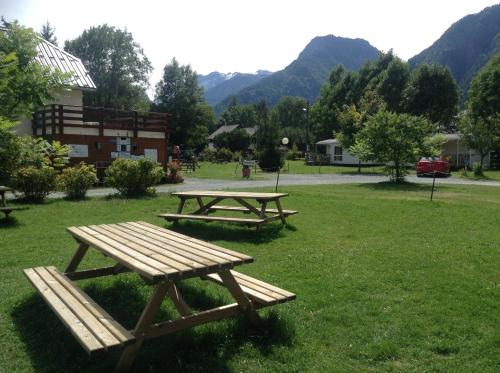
{"x": 95, "y": 135}
{"x": 251, "y": 131}
{"x": 335, "y": 153}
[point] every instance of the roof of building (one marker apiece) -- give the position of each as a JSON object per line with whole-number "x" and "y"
{"x": 452, "y": 136}
{"x": 250, "y": 130}
{"x": 54, "y": 57}
{"x": 223, "y": 129}
{"x": 328, "y": 142}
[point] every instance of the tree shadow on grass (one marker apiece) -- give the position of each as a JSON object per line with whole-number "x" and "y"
{"x": 397, "y": 187}
{"x": 230, "y": 232}
{"x": 51, "y": 347}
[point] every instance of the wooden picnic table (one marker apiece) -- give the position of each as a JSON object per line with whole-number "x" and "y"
{"x": 244, "y": 199}
{"x": 161, "y": 258}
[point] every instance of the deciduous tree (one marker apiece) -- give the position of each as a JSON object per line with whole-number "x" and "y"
{"x": 178, "y": 94}
{"x": 118, "y": 66}
{"x": 393, "y": 139}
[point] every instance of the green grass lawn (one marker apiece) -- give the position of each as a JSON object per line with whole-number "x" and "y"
{"x": 232, "y": 170}
{"x": 493, "y": 175}
{"x": 385, "y": 281}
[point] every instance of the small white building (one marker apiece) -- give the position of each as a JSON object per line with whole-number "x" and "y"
{"x": 337, "y": 154}
{"x": 458, "y": 153}
{"x": 455, "y": 150}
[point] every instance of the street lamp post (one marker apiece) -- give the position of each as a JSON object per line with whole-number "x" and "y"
{"x": 306, "y": 109}
{"x": 283, "y": 148}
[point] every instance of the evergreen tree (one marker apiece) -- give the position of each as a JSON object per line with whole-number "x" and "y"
{"x": 48, "y": 33}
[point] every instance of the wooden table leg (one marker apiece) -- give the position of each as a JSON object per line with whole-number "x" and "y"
{"x": 243, "y": 302}
{"x": 280, "y": 210}
{"x": 178, "y": 300}
{"x": 207, "y": 206}
{"x": 143, "y": 325}
{"x": 259, "y": 213}
{"x": 181, "y": 205}
{"x": 77, "y": 258}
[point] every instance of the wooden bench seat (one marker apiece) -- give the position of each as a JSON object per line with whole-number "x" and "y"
{"x": 244, "y": 209}
{"x": 258, "y": 291}
{"x": 93, "y": 327}
{"x": 175, "y": 217}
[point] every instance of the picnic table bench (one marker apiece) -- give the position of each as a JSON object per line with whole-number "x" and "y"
{"x": 162, "y": 258}
{"x": 3, "y": 204}
{"x": 264, "y": 214}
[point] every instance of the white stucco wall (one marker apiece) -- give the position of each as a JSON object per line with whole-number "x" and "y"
{"x": 347, "y": 158}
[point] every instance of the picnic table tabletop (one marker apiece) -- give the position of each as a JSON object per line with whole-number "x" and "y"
{"x": 157, "y": 253}
{"x": 4, "y": 189}
{"x": 227, "y": 194}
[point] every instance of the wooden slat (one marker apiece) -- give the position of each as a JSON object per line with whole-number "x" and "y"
{"x": 244, "y": 258}
{"x": 243, "y": 209}
{"x": 72, "y": 322}
{"x": 257, "y": 290}
{"x": 211, "y": 218}
{"x": 190, "y": 249}
{"x": 119, "y": 333}
{"x": 276, "y": 289}
{"x": 251, "y": 293}
{"x": 127, "y": 260}
{"x": 144, "y": 256}
{"x": 225, "y": 194}
{"x": 87, "y": 318}
{"x": 139, "y": 243}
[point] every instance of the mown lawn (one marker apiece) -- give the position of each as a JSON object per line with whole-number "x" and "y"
{"x": 232, "y": 170}
{"x": 385, "y": 280}
{"x": 487, "y": 175}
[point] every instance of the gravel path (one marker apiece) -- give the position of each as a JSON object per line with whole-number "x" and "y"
{"x": 285, "y": 179}
{"x": 292, "y": 179}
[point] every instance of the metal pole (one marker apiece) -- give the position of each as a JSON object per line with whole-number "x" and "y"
{"x": 433, "y": 182}
{"x": 277, "y": 181}
{"x": 307, "y": 128}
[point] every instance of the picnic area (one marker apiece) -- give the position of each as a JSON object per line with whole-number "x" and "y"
{"x": 384, "y": 279}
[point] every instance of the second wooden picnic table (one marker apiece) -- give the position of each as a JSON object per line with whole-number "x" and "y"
{"x": 244, "y": 199}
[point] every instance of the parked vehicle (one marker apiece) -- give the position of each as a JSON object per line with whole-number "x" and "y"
{"x": 427, "y": 166}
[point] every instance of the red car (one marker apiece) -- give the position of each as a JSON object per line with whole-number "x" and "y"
{"x": 427, "y": 166}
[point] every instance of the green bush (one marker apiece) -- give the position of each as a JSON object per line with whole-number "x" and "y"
{"x": 270, "y": 159}
{"x": 208, "y": 155}
{"x": 477, "y": 168}
{"x": 75, "y": 181}
{"x": 224, "y": 155}
{"x": 10, "y": 155}
{"x": 35, "y": 183}
{"x": 293, "y": 153}
{"x": 133, "y": 177}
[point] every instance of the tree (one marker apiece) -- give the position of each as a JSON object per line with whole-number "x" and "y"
{"x": 480, "y": 124}
{"x": 392, "y": 82}
{"x": 178, "y": 94}
{"x": 24, "y": 84}
{"x": 117, "y": 65}
{"x": 394, "y": 139}
{"x": 288, "y": 115}
{"x": 433, "y": 93}
{"x": 48, "y": 33}
{"x": 235, "y": 113}
{"x": 236, "y": 140}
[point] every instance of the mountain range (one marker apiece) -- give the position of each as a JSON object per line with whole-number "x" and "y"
{"x": 464, "y": 48}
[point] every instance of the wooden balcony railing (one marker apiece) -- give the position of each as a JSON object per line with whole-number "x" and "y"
{"x": 57, "y": 117}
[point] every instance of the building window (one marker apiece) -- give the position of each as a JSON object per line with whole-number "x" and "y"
{"x": 98, "y": 145}
{"x": 337, "y": 154}
{"x": 123, "y": 148}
